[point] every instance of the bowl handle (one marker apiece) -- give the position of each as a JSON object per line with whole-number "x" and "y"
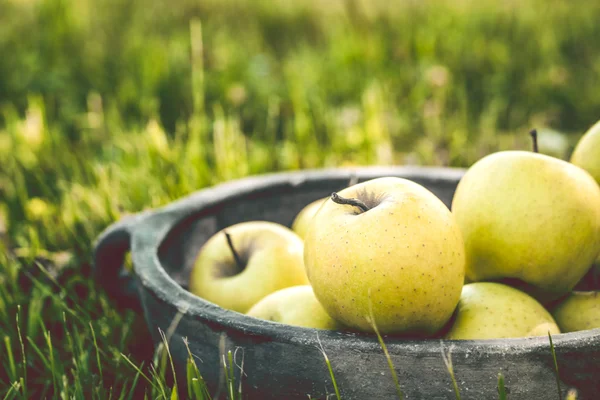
{"x": 109, "y": 255}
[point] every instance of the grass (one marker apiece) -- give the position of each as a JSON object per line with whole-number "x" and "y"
{"x": 330, "y": 369}
{"x": 501, "y": 387}
{"x": 447, "y": 357}
{"x": 371, "y": 320}
{"x": 108, "y": 108}
{"x": 556, "y": 372}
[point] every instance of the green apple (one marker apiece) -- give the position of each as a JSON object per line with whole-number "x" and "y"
{"x": 386, "y": 248}
{"x": 296, "y": 305}
{"x": 489, "y": 310}
{"x": 530, "y": 219}
{"x": 587, "y": 152}
{"x": 303, "y": 218}
{"x": 258, "y": 258}
{"x": 579, "y": 311}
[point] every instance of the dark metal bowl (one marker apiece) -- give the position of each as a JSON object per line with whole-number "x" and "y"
{"x": 285, "y": 362}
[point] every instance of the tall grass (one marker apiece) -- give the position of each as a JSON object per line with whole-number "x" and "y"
{"x": 111, "y": 107}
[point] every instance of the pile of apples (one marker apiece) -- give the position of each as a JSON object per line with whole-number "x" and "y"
{"x": 387, "y": 255}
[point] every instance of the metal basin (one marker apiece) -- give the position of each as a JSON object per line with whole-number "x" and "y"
{"x": 285, "y": 362}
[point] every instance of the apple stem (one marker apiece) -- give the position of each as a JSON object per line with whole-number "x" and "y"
{"x": 353, "y": 202}
{"x": 238, "y": 261}
{"x": 533, "y": 134}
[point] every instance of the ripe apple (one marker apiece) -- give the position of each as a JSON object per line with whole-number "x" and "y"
{"x": 391, "y": 246}
{"x": 296, "y": 305}
{"x": 578, "y": 311}
{"x": 587, "y": 152}
{"x": 241, "y": 264}
{"x": 489, "y": 310}
{"x": 303, "y": 218}
{"x": 528, "y": 218}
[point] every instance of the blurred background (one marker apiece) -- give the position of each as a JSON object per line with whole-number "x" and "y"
{"x": 108, "y": 107}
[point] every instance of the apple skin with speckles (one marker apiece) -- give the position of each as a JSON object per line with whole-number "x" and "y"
{"x": 530, "y": 219}
{"x": 489, "y": 310}
{"x": 579, "y": 311}
{"x": 403, "y": 257}
{"x": 295, "y": 305}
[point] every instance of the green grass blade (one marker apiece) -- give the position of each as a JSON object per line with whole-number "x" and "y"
{"x": 328, "y": 363}
{"x": 228, "y": 376}
{"x": 556, "y": 373}
{"x": 65, "y": 388}
{"x": 501, "y": 388}
{"x": 371, "y": 320}
{"x": 197, "y": 388}
{"x": 48, "y": 337}
{"x": 12, "y": 392}
{"x": 134, "y": 384}
{"x": 12, "y": 367}
{"x": 23, "y": 379}
{"x": 170, "y": 358}
{"x": 242, "y": 373}
{"x": 448, "y": 362}
{"x": 174, "y": 393}
{"x": 98, "y": 363}
{"x": 159, "y": 378}
{"x": 197, "y": 58}
{"x": 139, "y": 371}
{"x": 39, "y": 353}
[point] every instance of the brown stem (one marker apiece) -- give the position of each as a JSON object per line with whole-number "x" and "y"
{"x": 533, "y": 134}
{"x": 353, "y": 202}
{"x": 238, "y": 261}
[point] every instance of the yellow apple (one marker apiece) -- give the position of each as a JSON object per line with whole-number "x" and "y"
{"x": 263, "y": 257}
{"x": 578, "y": 312}
{"x": 304, "y": 217}
{"x": 488, "y": 310}
{"x": 587, "y": 152}
{"x": 389, "y": 245}
{"x": 296, "y": 305}
{"x": 528, "y": 218}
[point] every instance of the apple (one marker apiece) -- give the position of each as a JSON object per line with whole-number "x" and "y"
{"x": 295, "y": 305}
{"x": 303, "y": 218}
{"x": 489, "y": 310}
{"x": 389, "y": 249}
{"x": 529, "y": 219}
{"x": 587, "y": 152}
{"x": 241, "y": 264}
{"x": 579, "y": 311}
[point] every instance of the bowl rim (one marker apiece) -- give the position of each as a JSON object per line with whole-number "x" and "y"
{"x": 150, "y": 232}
